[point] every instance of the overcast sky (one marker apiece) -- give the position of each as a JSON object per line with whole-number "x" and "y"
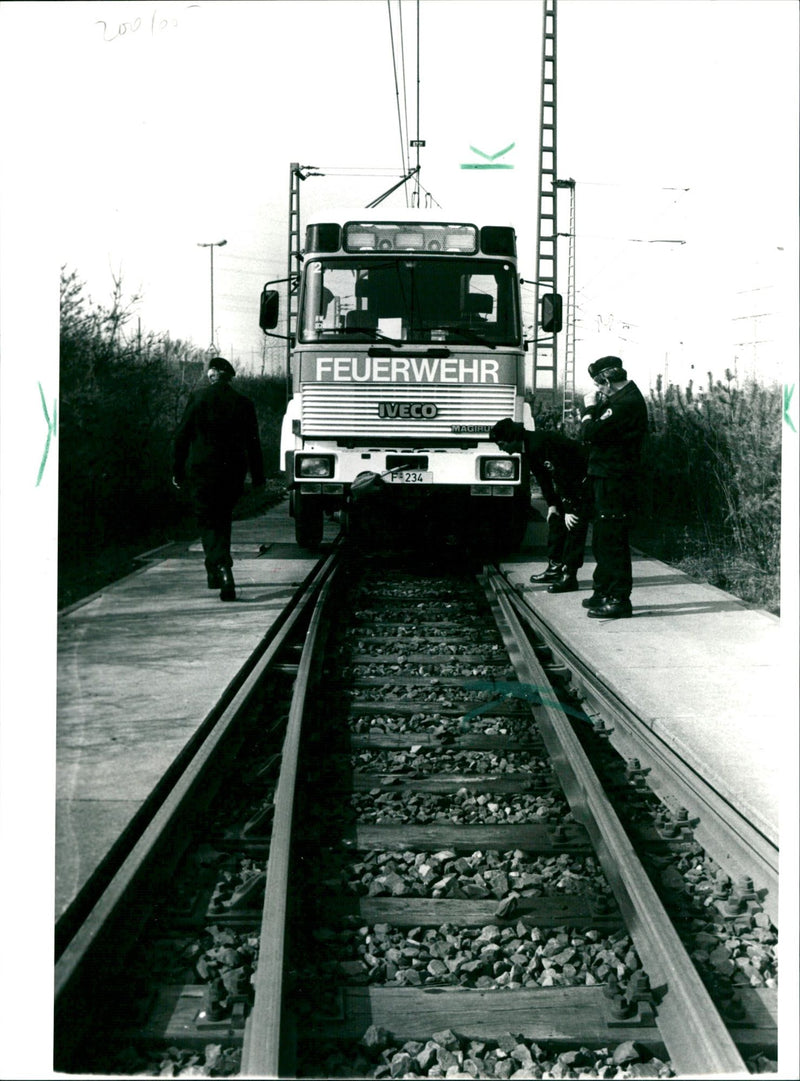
{"x": 132, "y": 132}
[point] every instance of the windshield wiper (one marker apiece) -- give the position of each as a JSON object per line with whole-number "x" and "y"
{"x": 468, "y": 335}
{"x": 372, "y": 333}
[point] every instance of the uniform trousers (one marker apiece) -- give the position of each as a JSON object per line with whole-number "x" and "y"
{"x": 613, "y": 500}
{"x": 214, "y": 495}
{"x": 566, "y": 546}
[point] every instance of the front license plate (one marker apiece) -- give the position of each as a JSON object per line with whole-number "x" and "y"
{"x": 411, "y": 476}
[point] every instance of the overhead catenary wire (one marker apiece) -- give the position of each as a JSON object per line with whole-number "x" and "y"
{"x": 417, "y": 140}
{"x": 397, "y": 90}
{"x": 428, "y": 194}
{"x": 638, "y": 185}
{"x": 405, "y": 84}
{"x": 356, "y": 170}
{"x": 399, "y": 69}
{"x": 621, "y": 243}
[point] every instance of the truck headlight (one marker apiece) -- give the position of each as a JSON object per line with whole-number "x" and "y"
{"x": 313, "y": 465}
{"x": 499, "y": 468}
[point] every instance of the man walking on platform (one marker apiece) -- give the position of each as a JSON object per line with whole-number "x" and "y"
{"x": 613, "y": 426}
{"x": 216, "y": 443}
{"x": 559, "y": 466}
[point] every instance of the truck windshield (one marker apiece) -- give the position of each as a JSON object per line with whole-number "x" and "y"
{"x": 410, "y": 300}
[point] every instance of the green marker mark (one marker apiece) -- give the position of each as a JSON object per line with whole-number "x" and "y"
{"x": 490, "y": 160}
{"x": 492, "y": 157}
{"x": 527, "y": 692}
{"x": 51, "y": 431}
{"x": 787, "y": 401}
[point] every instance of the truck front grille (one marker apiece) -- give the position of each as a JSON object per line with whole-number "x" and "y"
{"x": 342, "y": 411}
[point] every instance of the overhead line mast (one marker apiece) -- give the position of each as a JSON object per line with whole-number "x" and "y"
{"x": 568, "y": 395}
{"x": 548, "y": 303}
{"x": 297, "y": 173}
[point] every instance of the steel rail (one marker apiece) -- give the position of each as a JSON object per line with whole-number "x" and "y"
{"x": 91, "y": 892}
{"x": 93, "y": 936}
{"x": 696, "y": 1038}
{"x": 262, "y": 1041}
{"x": 735, "y": 843}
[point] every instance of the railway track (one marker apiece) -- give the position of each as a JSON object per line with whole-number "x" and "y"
{"x": 100, "y": 985}
{"x": 412, "y": 869}
{"x": 742, "y": 848}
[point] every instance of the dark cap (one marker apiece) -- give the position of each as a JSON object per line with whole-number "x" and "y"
{"x": 603, "y": 365}
{"x": 222, "y": 365}
{"x": 506, "y": 431}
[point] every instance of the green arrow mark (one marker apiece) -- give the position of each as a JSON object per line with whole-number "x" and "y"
{"x": 490, "y": 158}
{"x": 787, "y": 401}
{"x": 51, "y": 431}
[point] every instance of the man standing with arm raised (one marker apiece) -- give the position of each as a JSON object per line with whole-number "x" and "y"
{"x": 613, "y": 425}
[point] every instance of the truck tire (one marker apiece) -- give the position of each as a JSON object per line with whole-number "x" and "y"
{"x": 308, "y": 521}
{"x": 499, "y": 529}
{"x": 520, "y": 515}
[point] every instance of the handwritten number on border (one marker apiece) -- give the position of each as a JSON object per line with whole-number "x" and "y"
{"x": 158, "y": 23}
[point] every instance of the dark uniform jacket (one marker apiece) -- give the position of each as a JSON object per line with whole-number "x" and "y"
{"x": 615, "y": 430}
{"x": 218, "y": 435}
{"x": 559, "y": 465}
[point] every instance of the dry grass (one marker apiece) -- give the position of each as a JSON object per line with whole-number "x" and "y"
{"x": 718, "y": 562}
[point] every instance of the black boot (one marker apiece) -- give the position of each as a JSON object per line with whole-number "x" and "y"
{"x": 214, "y": 577}
{"x": 594, "y": 601}
{"x": 612, "y": 609}
{"x": 549, "y": 574}
{"x": 565, "y": 583}
{"x": 228, "y": 590}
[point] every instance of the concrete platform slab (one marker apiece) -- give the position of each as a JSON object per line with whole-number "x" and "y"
{"x": 82, "y": 836}
{"x": 704, "y": 671}
{"x": 140, "y": 665}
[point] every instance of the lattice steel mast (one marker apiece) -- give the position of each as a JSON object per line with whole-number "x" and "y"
{"x": 547, "y": 318}
{"x": 568, "y": 398}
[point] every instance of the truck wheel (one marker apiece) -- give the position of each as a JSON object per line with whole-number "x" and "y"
{"x": 308, "y": 523}
{"x": 519, "y": 518}
{"x": 521, "y": 511}
{"x": 500, "y": 531}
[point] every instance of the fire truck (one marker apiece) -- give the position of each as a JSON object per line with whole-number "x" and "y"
{"x": 408, "y": 347}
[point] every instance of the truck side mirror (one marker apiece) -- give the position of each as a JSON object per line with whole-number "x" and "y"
{"x": 551, "y": 313}
{"x": 268, "y": 312}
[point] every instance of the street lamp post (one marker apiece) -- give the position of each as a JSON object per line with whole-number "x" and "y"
{"x": 211, "y": 246}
